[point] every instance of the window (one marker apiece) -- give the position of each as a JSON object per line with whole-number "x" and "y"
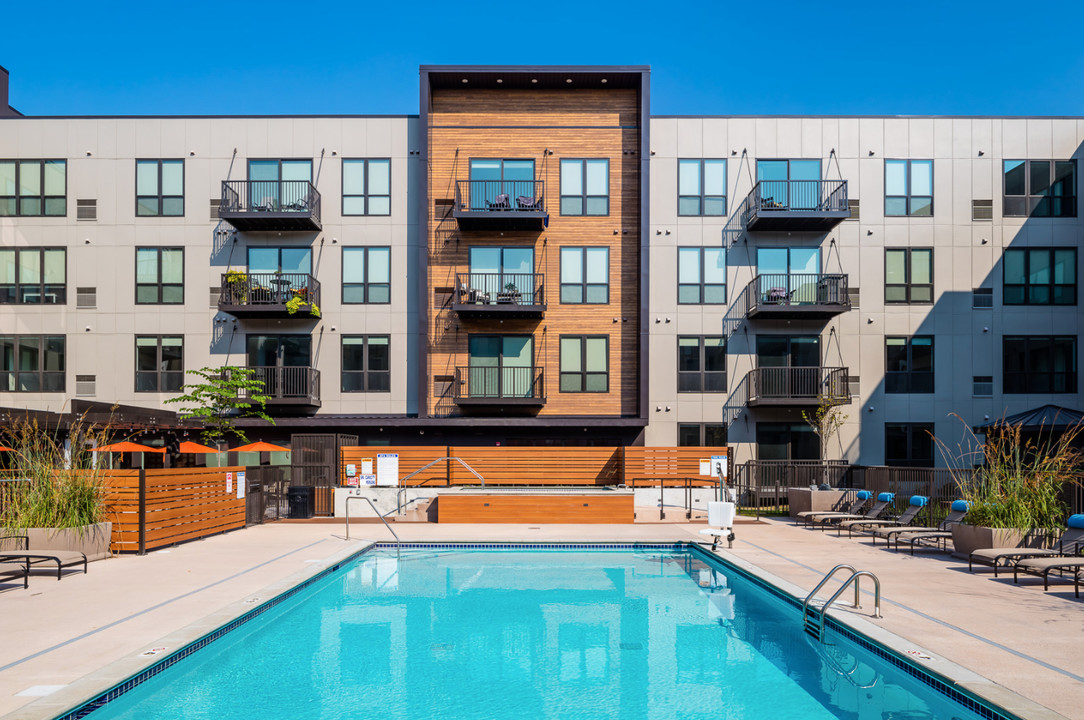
{"x": 280, "y": 185}
{"x": 1039, "y": 364}
{"x": 160, "y": 187}
{"x": 585, "y": 364}
{"x": 366, "y": 275}
{"x": 159, "y": 363}
{"x": 701, "y": 276}
{"x": 33, "y": 187}
{"x": 908, "y": 187}
{"x": 1045, "y": 276}
{"x": 909, "y": 444}
{"x": 701, "y": 187}
{"x": 367, "y": 187}
{"x": 585, "y": 275}
{"x": 909, "y": 275}
{"x": 585, "y": 187}
{"x": 159, "y": 276}
{"x": 502, "y": 184}
{"x": 366, "y": 363}
{"x": 909, "y": 364}
{"x": 790, "y": 184}
{"x": 982, "y": 385}
{"x": 34, "y": 276}
{"x": 32, "y": 363}
{"x": 501, "y": 275}
{"x": 701, "y": 435}
{"x": 701, "y": 364}
{"x": 500, "y": 366}
{"x": 1040, "y": 188}
{"x": 787, "y": 441}
{"x": 791, "y": 276}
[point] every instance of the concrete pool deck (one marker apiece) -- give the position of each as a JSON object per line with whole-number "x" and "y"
{"x": 1020, "y": 638}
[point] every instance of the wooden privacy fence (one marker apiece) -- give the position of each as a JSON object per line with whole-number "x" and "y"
{"x": 154, "y": 508}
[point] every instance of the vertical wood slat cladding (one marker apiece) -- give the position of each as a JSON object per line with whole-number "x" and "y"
{"x": 556, "y": 124}
{"x": 495, "y": 508}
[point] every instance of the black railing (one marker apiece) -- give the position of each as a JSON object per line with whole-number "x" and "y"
{"x": 798, "y": 383}
{"x": 284, "y": 383}
{"x": 804, "y": 196}
{"x": 270, "y": 290}
{"x": 796, "y": 291}
{"x": 500, "y": 288}
{"x": 270, "y": 196}
{"x": 500, "y": 196}
{"x": 499, "y": 383}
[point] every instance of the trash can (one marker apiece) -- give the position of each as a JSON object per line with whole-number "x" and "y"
{"x": 302, "y": 501}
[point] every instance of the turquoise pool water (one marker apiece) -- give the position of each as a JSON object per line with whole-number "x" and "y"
{"x": 507, "y": 633}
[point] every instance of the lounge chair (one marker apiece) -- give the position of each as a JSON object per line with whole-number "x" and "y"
{"x": 874, "y": 512}
{"x": 860, "y": 501}
{"x": 1043, "y": 566}
{"x": 914, "y": 507}
{"x": 15, "y": 570}
{"x": 526, "y": 202}
{"x": 916, "y": 534}
{"x": 62, "y": 558}
{"x": 499, "y": 203}
{"x": 1069, "y": 543}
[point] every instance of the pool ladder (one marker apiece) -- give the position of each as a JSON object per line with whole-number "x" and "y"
{"x": 813, "y": 615}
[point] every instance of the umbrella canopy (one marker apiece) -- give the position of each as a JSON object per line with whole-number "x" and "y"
{"x": 192, "y": 447}
{"x": 260, "y": 447}
{"x": 1047, "y": 417}
{"x": 4, "y": 448}
{"x": 126, "y": 446}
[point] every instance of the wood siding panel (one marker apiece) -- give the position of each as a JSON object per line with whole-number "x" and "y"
{"x": 497, "y": 508}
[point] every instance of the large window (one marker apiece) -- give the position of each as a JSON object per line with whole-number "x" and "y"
{"x": 1040, "y": 276}
{"x": 367, "y": 275}
{"x": 32, "y": 363}
{"x": 160, "y": 187}
{"x": 501, "y": 184}
{"x": 1040, "y": 188}
{"x": 367, "y": 187}
{"x": 790, "y": 184}
{"x": 366, "y": 363}
{"x": 1039, "y": 364}
{"x": 585, "y": 275}
{"x": 909, "y": 444}
{"x": 34, "y": 276}
{"x": 501, "y": 366}
{"x": 159, "y": 363}
{"x": 33, "y": 187}
{"x": 701, "y": 435}
{"x": 701, "y": 276}
{"x": 909, "y": 275}
{"x": 159, "y": 276}
{"x": 909, "y": 364}
{"x": 789, "y": 275}
{"x": 280, "y": 184}
{"x": 701, "y": 364}
{"x": 787, "y": 441}
{"x": 701, "y": 187}
{"x": 908, "y": 187}
{"x": 585, "y": 363}
{"x": 585, "y": 187}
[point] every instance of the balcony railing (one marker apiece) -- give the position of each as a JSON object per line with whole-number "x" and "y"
{"x": 793, "y": 296}
{"x": 270, "y": 295}
{"x": 270, "y": 205}
{"x": 816, "y": 205}
{"x": 797, "y": 386}
{"x": 499, "y": 386}
{"x": 500, "y": 294}
{"x": 287, "y": 386}
{"x": 500, "y": 204}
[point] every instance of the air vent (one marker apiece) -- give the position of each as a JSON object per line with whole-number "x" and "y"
{"x": 852, "y": 293}
{"x": 442, "y": 298}
{"x": 441, "y": 388}
{"x": 852, "y": 205}
{"x": 982, "y": 385}
{"x": 216, "y": 295}
{"x": 982, "y": 298}
{"x": 86, "y": 297}
{"x": 853, "y": 386}
{"x": 982, "y": 209}
{"x": 214, "y": 208}
{"x": 86, "y": 209}
{"x": 85, "y": 385}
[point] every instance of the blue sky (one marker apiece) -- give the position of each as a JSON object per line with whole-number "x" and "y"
{"x": 726, "y": 58}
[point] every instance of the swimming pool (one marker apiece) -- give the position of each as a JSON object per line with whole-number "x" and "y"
{"x": 534, "y": 632}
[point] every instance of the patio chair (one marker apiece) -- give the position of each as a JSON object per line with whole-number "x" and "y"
{"x": 1043, "y": 566}
{"x": 15, "y": 570}
{"x": 528, "y": 203}
{"x": 914, "y": 507}
{"x": 62, "y": 558}
{"x": 874, "y": 512}
{"x": 1070, "y": 543}
{"x": 916, "y": 534}
{"x": 499, "y": 203}
{"x": 860, "y": 500}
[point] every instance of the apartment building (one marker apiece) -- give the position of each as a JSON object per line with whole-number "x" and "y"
{"x": 535, "y": 259}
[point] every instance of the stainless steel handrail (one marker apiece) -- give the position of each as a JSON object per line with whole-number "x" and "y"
{"x": 855, "y": 578}
{"x": 403, "y": 488}
{"x": 362, "y": 497}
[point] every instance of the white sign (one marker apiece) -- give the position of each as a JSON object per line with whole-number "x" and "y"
{"x": 229, "y": 482}
{"x": 366, "y": 466}
{"x": 705, "y": 467}
{"x": 367, "y": 480}
{"x": 351, "y": 470}
{"x": 719, "y": 461}
{"x": 387, "y": 469}
{"x": 241, "y": 485}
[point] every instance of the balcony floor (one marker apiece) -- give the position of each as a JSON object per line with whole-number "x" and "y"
{"x": 796, "y": 220}
{"x": 513, "y": 220}
{"x": 771, "y": 311}
{"x": 260, "y": 221}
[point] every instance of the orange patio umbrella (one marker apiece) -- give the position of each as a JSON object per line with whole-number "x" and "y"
{"x": 260, "y": 447}
{"x": 4, "y": 448}
{"x": 126, "y": 446}
{"x": 192, "y": 447}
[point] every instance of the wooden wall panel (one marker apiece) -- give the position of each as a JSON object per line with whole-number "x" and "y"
{"x": 411, "y": 458}
{"x": 496, "y": 508}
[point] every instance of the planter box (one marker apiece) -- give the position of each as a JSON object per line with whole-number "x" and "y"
{"x": 968, "y": 538}
{"x": 804, "y": 499}
{"x": 92, "y": 540}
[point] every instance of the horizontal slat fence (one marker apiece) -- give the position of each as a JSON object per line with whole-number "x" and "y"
{"x": 411, "y": 458}
{"x": 668, "y": 463}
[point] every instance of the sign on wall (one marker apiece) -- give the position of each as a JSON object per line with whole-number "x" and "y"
{"x": 387, "y": 469}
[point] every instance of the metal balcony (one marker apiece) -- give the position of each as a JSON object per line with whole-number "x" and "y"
{"x": 797, "y": 296}
{"x": 499, "y": 295}
{"x": 812, "y": 205}
{"x": 270, "y": 205}
{"x": 797, "y": 386}
{"x": 288, "y": 388}
{"x": 269, "y": 295}
{"x": 499, "y": 387}
{"x": 500, "y": 205}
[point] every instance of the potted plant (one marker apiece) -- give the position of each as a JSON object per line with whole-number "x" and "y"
{"x": 237, "y": 283}
{"x": 298, "y": 303}
{"x": 510, "y": 294}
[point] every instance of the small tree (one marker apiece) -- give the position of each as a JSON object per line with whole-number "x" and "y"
{"x": 225, "y": 394}
{"x": 826, "y": 420}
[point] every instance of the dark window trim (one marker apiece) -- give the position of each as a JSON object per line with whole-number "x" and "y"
{"x": 1027, "y": 285}
{"x": 366, "y": 374}
{"x": 703, "y": 195}
{"x": 908, "y": 197}
{"x": 702, "y": 374}
{"x": 584, "y": 196}
{"x": 159, "y": 285}
{"x": 910, "y": 377}
{"x": 1029, "y": 197}
{"x": 701, "y": 285}
{"x": 9, "y": 379}
{"x": 41, "y": 179}
{"x": 158, "y": 372}
{"x": 910, "y": 461}
{"x": 364, "y": 284}
{"x": 1030, "y": 377}
{"x": 161, "y": 198}
{"x": 365, "y": 180}
{"x": 17, "y": 288}
{"x": 583, "y": 273}
{"x": 907, "y": 283}
{"x": 582, "y": 372}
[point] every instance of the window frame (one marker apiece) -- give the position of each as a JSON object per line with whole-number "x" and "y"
{"x": 40, "y": 373}
{"x": 913, "y": 430}
{"x": 907, "y": 379}
{"x": 158, "y": 284}
{"x": 583, "y": 372}
{"x": 366, "y": 373}
{"x": 42, "y": 196}
{"x": 583, "y": 285}
{"x": 1032, "y": 202}
{"x": 1026, "y": 286}
{"x": 702, "y": 373}
{"x": 908, "y": 197}
{"x": 160, "y": 197}
{"x": 158, "y": 372}
{"x": 908, "y": 284}
{"x": 702, "y": 432}
{"x": 701, "y": 286}
{"x": 366, "y": 195}
{"x": 1027, "y": 373}
{"x": 583, "y": 196}
{"x": 18, "y": 287}
{"x": 702, "y": 196}
{"x": 366, "y": 284}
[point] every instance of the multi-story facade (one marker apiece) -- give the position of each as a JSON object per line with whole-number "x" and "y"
{"x": 534, "y": 258}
